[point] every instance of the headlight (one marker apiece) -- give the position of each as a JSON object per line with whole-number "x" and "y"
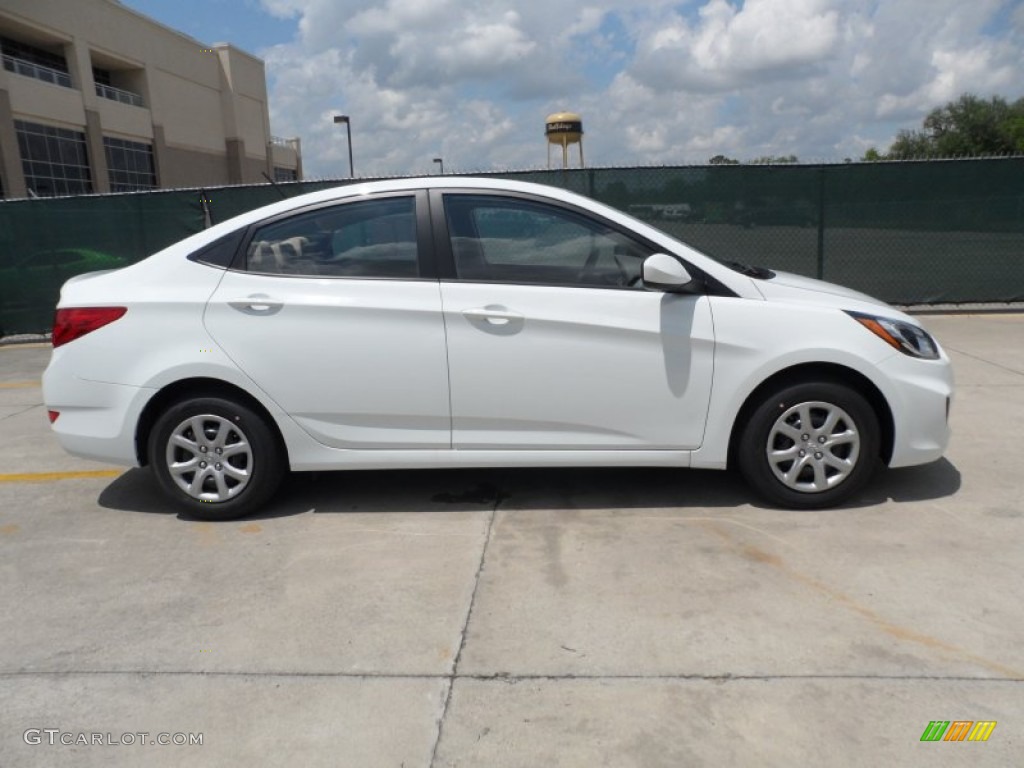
{"x": 907, "y": 338}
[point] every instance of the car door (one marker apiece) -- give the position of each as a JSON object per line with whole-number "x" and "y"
{"x": 553, "y": 343}
{"x": 336, "y": 315}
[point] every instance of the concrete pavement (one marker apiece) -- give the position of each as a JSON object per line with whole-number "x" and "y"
{"x": 520, "y": 618}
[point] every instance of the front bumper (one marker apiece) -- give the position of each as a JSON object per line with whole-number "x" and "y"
{"x": 920, "y": 393}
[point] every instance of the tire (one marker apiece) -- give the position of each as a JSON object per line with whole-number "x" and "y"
{"x": 794, "y": 465}
{"x": 252, "y": 460}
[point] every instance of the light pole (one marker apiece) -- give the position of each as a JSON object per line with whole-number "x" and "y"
{"x": 440, "y": 161}
{"x": 348, "y": 128}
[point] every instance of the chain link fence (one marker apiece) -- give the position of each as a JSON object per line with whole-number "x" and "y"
{"x": 907, "y": 232}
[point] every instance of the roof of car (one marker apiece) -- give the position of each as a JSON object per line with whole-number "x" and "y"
{"x": 435, "y": 182}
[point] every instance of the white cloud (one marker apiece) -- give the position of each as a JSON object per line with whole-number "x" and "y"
{"x": 656, "y": 82}
{"x": 736, "y": 46}
{"x": 283, "y": 9}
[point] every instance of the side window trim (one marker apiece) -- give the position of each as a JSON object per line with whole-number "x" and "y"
{"x": 424, "y": 240}
{"x": 443, "y": 257}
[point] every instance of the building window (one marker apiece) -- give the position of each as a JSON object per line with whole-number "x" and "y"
{"x": 27, "y": 60}
{"x": 285, "y": 174}
{"x": 129, "y": 165}
{"x": 55, "y": 160}
{"x": 103, "y": 80}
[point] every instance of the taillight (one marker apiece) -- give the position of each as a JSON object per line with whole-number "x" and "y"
{"x": 53, "y": 415}
{"x": 70, "y": 324}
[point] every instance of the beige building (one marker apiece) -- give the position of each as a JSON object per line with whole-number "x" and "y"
{"x": 95, "y": 97}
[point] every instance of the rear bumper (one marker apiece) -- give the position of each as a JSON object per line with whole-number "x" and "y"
{"x": 97, "y": 419}
{"x": 921, "y": 393}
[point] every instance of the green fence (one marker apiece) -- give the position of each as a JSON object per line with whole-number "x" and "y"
{"x": 909, "y": 233}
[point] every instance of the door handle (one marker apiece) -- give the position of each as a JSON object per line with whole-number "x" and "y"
{"x": 258, "y": 304}
{"x": 491, "y": 315}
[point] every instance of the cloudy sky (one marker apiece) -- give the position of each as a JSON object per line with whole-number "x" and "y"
{"x": 656, "y": 82}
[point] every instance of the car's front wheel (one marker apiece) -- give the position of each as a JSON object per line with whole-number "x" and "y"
{"x": 810, "y": 445}
{"x": 216, "y": 458}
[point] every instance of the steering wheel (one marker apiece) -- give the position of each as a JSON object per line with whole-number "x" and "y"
{"x": 626, "y": 279}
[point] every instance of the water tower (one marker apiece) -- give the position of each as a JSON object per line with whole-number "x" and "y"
{"x": 563, "y": 129}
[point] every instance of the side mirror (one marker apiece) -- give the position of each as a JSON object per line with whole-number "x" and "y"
{"x": 664, "y": 273}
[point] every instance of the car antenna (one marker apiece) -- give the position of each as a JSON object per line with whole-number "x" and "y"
{"x": 276, "y": 185}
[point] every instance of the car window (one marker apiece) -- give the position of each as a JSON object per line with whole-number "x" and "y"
{"x": 220, "y": 252}
{"x": 367, "y": 238}
{"x": 519, "y": 241}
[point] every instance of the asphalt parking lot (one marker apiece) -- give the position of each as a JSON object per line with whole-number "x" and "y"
{"x": 519, "y": 618}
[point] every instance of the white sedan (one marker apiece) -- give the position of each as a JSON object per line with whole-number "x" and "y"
{"x": 458, "y": 322}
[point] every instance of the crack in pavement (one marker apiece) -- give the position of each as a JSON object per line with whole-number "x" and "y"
{"x": 25, "y": 409}
{"x": 983, "y": 360}
{"x": 454, "y": 675}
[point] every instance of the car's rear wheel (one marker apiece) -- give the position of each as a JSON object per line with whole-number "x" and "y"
{"x": 810, "y": 445}
{"x": 217, "y": 459}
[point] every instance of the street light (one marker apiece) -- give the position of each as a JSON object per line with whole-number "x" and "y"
{"x": 440, "y": 161}
{"x": 348, "y": 128}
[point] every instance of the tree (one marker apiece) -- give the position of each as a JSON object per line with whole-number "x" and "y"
{"x": 912, "y": 145}
{"x": 969, "y": 126}
{"x": 722, "y": 160}
{"x": 772, "y": 160}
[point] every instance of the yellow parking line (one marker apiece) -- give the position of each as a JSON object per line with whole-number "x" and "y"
{"x": 19, "y": 384}
{"x": 45, "y": 477}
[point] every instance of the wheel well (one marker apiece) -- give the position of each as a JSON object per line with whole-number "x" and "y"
{"x": 819, "y": 372}
{"x": 186, "y": 388}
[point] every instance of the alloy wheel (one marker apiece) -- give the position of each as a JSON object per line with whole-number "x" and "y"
{"x": 813, "y": 447}
{"x": 209, "y": 458}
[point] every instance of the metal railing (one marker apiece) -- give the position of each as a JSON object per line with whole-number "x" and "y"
{"x": 119, "y": 94}
{"x": 36, "y": 71}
